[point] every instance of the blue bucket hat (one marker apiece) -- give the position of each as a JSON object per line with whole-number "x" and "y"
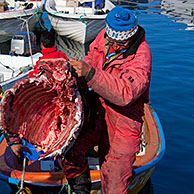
{"x": 121, "y": 23}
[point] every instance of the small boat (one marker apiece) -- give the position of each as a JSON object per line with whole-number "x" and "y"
{"x": 73, "y": 20}
{"x": 17, "y": 16}
{"x": 45, "y": 176}
{"x": 19, "y": 62}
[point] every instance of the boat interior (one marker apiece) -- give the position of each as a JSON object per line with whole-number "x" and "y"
{"x": 76, "y": 7}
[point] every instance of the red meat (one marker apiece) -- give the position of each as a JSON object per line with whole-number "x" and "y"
{"x": 45, "y": 110}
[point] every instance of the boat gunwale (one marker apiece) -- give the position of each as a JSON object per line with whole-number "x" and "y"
{"x": 24, "y": 12}
{"x": 12, "y": 81}
{"x": 76, "y": 16}
{"x": 161, "y": 147}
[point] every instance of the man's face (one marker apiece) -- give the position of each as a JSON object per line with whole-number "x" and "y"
{"x": 119, "y": 45}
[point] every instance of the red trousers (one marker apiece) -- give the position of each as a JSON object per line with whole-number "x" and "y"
{"x": 116, "y": 154}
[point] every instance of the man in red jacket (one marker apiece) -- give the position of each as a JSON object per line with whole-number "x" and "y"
{"x": 117, "y": 69}
{"x": 49, "y": 51}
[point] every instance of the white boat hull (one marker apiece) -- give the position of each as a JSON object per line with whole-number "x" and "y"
{"x": 71, "y": 48}
{"x": 15, "y": 21}
{"x": 83, "y": 26}
{"x": 9, "y": 27}
{"x": 76, "y": 29}
{"x": 10, "y": 66}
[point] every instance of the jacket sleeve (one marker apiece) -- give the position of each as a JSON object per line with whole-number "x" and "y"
{"x": 131, "y": 82}
{"x": 94, "y": 54}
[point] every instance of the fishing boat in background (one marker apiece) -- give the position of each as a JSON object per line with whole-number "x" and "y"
{"x": 16, "y": 16}
{"x": 77, "y": 20}
{"x": 20, "y": 61}
{"x": 45, "y": 176}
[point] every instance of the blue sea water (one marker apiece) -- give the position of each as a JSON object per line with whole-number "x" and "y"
{"x": 172, "y": 96}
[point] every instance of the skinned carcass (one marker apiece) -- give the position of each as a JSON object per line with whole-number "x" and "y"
{"x": 47, "y": 109}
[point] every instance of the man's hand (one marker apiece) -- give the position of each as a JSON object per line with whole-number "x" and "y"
{"x": 81, "y": 68}
{"x": 20, "y": 148}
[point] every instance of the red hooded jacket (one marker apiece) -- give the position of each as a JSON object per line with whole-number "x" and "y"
{"x": 48, "y": 53}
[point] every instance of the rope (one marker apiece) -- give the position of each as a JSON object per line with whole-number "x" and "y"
{"x": 66, "y": 14}
{"x": 27, "y": 27}
{"x": 20, "y": 191}
{"x": 23, "y": 172}
{"x": 8, "y": 67}
{"x": 5, "y": 40}
{"x": 35, "y": 15}
{"x": 21, "y": 188}
{"x": 66, "y": 186}
{"x": 53, "y": 15}
{"x": 28, "y": 33}
{"x": 81, "y": 19}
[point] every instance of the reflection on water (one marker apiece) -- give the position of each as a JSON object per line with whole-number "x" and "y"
{"x": 181, "y": 10}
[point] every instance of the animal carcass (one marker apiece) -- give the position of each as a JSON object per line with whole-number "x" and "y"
{"x": 46, "y": 110}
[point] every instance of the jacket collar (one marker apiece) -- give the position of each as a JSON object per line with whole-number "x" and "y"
{"x": 140, "y": 37}
{"x": 48, "y": 50}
